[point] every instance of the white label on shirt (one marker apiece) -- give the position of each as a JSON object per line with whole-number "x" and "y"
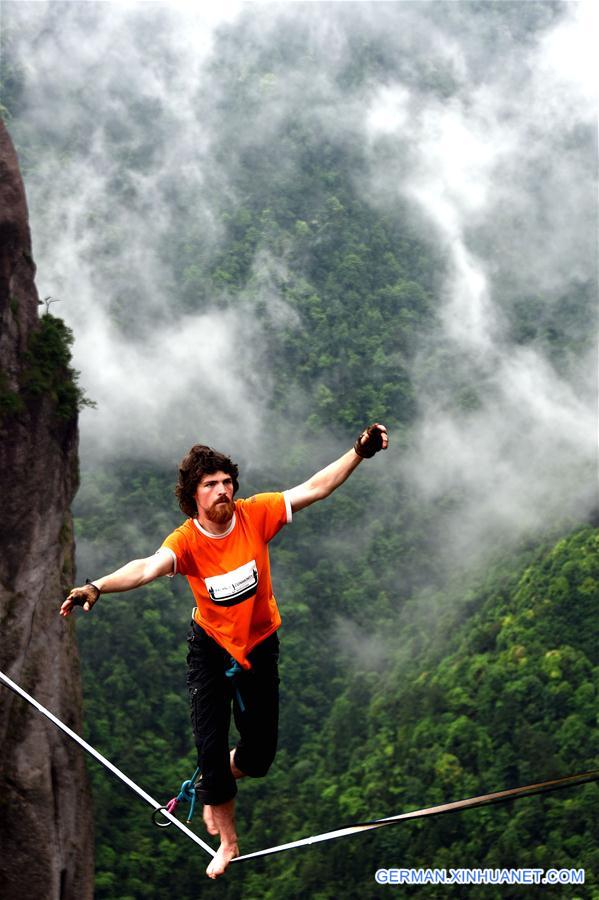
{"x": 233, "y": 587}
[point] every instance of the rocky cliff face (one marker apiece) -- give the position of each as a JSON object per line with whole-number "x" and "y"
{"x": 46, "y": 840}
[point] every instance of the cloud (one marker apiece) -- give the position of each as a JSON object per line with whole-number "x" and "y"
{"x": 478, "y": 121}
{"x": 125, "y": 154}
{"x": 365, "y": 652}
{"x": 186, "y": 378}
{"x": 503, "y": 173}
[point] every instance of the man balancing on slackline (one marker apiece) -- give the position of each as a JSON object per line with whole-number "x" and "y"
{"x": 234, "y": 648}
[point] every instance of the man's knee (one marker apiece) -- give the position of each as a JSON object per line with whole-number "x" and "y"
{"x": 257, "y": 771}
{"x": 254, "y": 765}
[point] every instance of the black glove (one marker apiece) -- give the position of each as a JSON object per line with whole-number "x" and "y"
{"x": 88, "y": 594}
{"x": 370, "y": 441}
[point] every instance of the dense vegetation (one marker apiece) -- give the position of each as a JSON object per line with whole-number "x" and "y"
{"x": 48, "y": 370}
{"x": 406, "y": 680}
{"x": 489, "y": 690}
{"x": 46, "y": 373}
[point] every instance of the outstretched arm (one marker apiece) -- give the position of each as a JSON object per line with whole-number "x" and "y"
{"x": 323, "y": 483}
{"x": 133, "y": 574}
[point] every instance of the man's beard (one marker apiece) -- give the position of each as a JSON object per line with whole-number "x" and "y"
{"x": 221, "y": 511}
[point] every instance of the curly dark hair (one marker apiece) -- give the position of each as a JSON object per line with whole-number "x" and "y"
{"x": 200, "y": 461}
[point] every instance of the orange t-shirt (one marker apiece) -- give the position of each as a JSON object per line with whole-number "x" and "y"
{"x": 229, "y": 574}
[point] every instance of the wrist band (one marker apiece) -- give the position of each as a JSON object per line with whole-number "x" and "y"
{"x": 90, "y": 582}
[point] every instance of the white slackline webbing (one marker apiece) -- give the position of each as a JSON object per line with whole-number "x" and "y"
{"x": 105, "y": 762}
{"x": 469, "y": 803}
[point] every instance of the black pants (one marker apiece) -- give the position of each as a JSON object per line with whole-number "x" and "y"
{"x": 211, "y": 693}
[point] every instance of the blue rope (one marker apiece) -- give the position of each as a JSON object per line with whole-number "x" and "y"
{"x": 233, "y": 670}
{"x": 186, "y": 793}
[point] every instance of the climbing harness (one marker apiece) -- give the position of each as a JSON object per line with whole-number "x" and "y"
{"x": 187, "y": 788}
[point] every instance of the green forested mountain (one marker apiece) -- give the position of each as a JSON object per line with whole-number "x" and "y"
{"x": 436, "y": 643}
{"x": 490, "y": 689}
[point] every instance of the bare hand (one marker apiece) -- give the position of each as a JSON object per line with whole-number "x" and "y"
{"x": 372, "y": 440}
{"x": 84, "y": 596}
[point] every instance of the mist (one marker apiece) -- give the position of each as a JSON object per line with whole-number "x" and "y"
{"x": 499, "y": 176}
{"x": 502, "y": 174}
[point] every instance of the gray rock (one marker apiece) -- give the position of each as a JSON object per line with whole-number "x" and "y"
{"x": 46, "y": 824}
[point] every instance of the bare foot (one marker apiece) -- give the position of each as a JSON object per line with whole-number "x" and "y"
{"x": 209, "y": 822}
{"x": 223, "y": 857}
{"x": 221, "y": 817}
